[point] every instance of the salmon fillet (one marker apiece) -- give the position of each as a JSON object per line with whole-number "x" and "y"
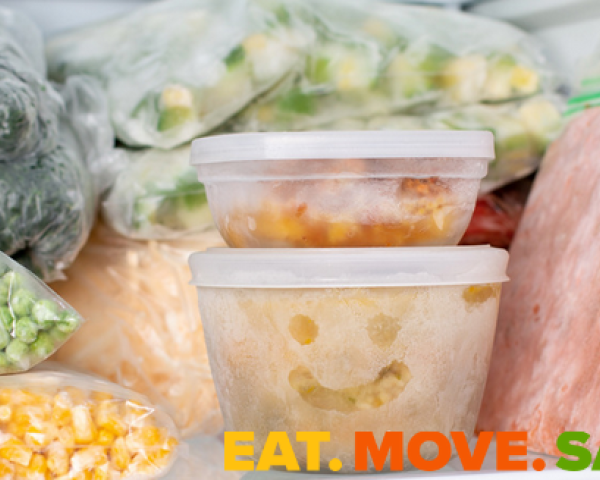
{"x": 545, "y": 372}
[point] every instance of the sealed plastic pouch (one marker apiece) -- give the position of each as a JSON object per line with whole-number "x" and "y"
{"x": 35, "y": 321}
{"x": 60, "y": 424}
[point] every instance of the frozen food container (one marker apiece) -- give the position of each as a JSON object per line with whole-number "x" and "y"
{"x": 343, "y": 189}
{"x": 347, "y": 340}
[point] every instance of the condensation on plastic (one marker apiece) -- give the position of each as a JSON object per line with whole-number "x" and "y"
{"x": 34, "y": 321}
{"x": 29, "y": 106}
{"x": 157, "y": 196}
{"x": 143, "y": 329}
{"x": 379, "y": 59}
{"x": 174, "y": 70}
{"x": 47, "y": 207}
{"x": 522, "y": 130}
{"x": 61, "y": 423}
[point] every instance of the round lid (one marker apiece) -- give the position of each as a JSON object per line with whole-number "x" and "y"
{"x": 348, "y": 267}
{"x": 338, "y": 144}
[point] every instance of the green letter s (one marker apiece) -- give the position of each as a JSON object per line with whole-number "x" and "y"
{"x": 564, "y": 445}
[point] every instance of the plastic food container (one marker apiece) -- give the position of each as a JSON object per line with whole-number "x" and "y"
{"x": 343, "y": 189}
{"x": 347, "y": 340}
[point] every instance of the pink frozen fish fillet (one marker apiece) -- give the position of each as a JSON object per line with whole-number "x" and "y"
{"x": 545, "y": 372}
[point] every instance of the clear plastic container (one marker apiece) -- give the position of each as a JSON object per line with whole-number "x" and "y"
{"x": 347, "y": 340}
{"x": 343, "y": 189}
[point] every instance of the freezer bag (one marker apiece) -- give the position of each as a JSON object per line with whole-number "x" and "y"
{"x": 30, "y": 110}
{"x": 157, "y": 196}
{"x": 174, "y": 70}
{"x": 543, "y": 376}
{"x": 374, "y": 58}
{"x": 58, "y": 424}
{"x": 522, "y": 131}
{"x": 47, "y": 206}
{"x": 143, "y": 330}
{"x": 34, "y": 321}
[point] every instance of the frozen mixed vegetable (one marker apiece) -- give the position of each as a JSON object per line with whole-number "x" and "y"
{"x": 143, "y": 329}
{"x": 34, "y": 322}
{"x": 380, "y": 59}
{"x": 57, "y": 424}
{"x": 176, "y": 69}
{"x": 157, "y": 196}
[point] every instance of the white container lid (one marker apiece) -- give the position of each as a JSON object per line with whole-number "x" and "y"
{"x": 341, "y": 145}
{"x": 348, "y": 267}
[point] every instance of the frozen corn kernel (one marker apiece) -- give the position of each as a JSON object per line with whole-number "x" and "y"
{"x": 5, "y": 413}
{"x": 61, "y": 411}
{"x": 85, "y": 429}
{"x": 119, "y": 454}
{"x": 16, "y": 451}
{"x": 58, "y": 459}
{"x": 7, "y": 470}
{"x": 36, "y": 470}
{"x": 105, "y": 438}
{"x": 109, "y": 418}
{"x": 88, "y": 459}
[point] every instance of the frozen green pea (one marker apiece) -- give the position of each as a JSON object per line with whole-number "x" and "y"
{"x": 21, "y": 302}
{"x": 4, "y": 363}
{"x": 46, "y": 313}
{"x": 6, "y": 319}
{"x": 12, "y": 280}
{"x": 68, "y": 322}
{"x": 4, "y": 338}
{"x": 16, "y": 352}
{"x": 26, "y": 330}
{"x": 57, "y": 336}
{"x": 43, "y": 346}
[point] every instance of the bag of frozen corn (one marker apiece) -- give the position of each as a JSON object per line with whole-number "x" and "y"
{"x": 61, "y": 424}
{"x": 176, "y": 69}
{"x": 34, "y": 321}
{"x": 373, "y": 58}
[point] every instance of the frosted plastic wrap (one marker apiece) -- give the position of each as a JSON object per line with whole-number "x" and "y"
{"x": 522, "y": 132}
{"x": 176, "y": 69}
{"x": 47, "y": 206}
{"x": 34, "y": 321}
{"x": 157, "y": 196}
{"x": 30, "y": 107}
{"x": 63, "y": 424}
{"x": 374, "y": 58}
{"x": 548, "y": 325}
{"x": 143, "y": 330}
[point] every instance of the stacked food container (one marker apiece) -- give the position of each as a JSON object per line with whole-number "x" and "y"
{"x": 346, "y": 305}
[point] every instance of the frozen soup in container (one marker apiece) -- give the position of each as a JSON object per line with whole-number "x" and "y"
{"x": 343, "y": 189}
{"x": 348, "y": 340}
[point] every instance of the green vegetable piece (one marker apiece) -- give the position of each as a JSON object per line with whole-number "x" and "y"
{"x": 283, "y": 15}
{"x": 235, "y": 57}
{"x": 46, "y": 313}
{"x": 43, "y": 346}
{"x": 174, "y": 117}
{"x": 69, "y": 322}
{"x": 4, "y": 363}
{"x": 4, "y": 338}
{"x": 6, "y": 319}
{"x": 296, "y": 101}
{"x": 26, "y": 330}
{"x": 318, "y": 71}
{"x": 21, "y": 302}
{"x": 17, "y": 352}
{"x": 57, "y": 336}
{"x": 9, "y": 283}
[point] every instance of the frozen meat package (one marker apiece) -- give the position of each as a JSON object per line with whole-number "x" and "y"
{"x": 543, "y": 376}
{"x": 59, "y": 423}
{"x": 176, "y": 69}
{"x": 34, "y": 321}
{"x": 143, "y": 330}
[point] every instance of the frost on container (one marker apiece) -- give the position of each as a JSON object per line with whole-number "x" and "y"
{"x": 342, "y": 359}
{"x": 66, "y": 425}
{"x": 34, "y": 321}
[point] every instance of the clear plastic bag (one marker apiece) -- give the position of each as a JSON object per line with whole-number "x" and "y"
{"x": 380, "y": 59}
{"x": 157, "y": 196}
{"x": 58, "y": 423}
{"x": 143, "y": 329}
{"x": 47, "y": 206}
{"x": 34, "y": 321}
{"x": 174, "y": 70}
{"x": 522, "y": 131}
{"x": 30, "y": 107}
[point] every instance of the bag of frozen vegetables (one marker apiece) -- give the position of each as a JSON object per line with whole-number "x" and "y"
{"x": 372, "y": 58}
{"x": 157, "y": 196}
{"x": 34, "y": 321}
{"x": 176, "y": 69}
{"x": 61, "y": 424}
{"x": 30, "y": 106}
